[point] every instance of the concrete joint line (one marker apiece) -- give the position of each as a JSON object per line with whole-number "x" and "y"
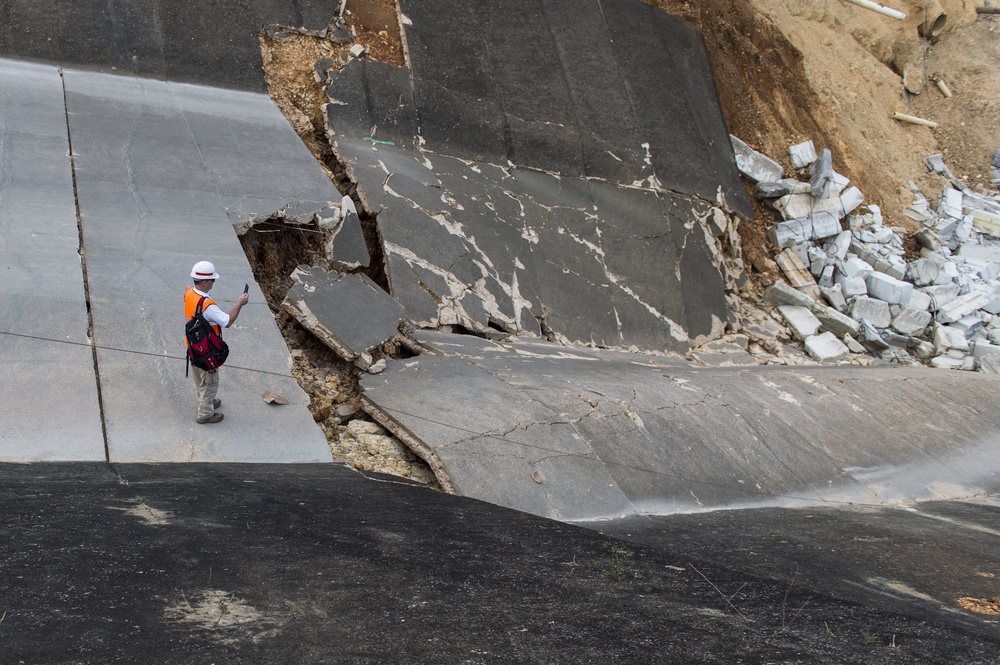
{"x": 83, "y": 265}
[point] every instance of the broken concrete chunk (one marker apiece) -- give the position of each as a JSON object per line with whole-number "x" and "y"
{"x": 825, "y": 224}
{"x": 950, "y": 203}
{"x": 989, "y": 253}
{"x": 357, "y": 50}
{"x": 780, "y": 293}
{"x": 320, "y": 69}
{"x": 794, "y": 231}
{"x": 947, "y": 338}
{"x": 348, "y": 313}
{"x": 922, "y": 272}
{"x": 839, "y": 245}
{"x": 835, "y": 322}
{"x": 795, "y": 270}
{"x": 775, "y": 190}
{"x": 919, "y": 301}
{"x": 853, "y": 345}
{"x": 910, "y": 321}
{"x": 826, "y": 347}
{"x": 889, "y": 289}
{"x": 834, "y": 296}
{"x": 962, "y": 306}
{"x": 821, "y": 173}
{"x": 754, "y": 165}
{"x": 874, "y": 311}
{"x": 802, "y": 154}
{"x": 800, "y": 320}
{"x": 852, "y": 287}
{"x": 346, "y": 246}
{"x": 941, "y": 294}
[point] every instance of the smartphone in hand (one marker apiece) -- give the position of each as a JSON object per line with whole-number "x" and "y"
{"x": 246, "y": 288}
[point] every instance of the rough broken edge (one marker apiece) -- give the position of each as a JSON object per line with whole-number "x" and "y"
{"x": 413, "y": 442}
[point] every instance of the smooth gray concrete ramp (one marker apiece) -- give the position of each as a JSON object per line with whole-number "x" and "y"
{"x": 584, "y": 434}
{"x": 48, "y": 387}
{"x": 163, "y": 171}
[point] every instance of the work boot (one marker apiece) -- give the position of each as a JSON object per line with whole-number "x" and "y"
{"x": 216, "y": 403}
{"x": 206, "y": 420}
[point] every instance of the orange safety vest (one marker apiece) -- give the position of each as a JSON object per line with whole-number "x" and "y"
{"x": 191, "y": 299}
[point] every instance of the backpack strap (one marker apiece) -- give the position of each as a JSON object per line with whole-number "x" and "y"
{"x": 197, "y": 310}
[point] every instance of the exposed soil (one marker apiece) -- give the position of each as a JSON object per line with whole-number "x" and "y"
{"x": 786, "y": 71}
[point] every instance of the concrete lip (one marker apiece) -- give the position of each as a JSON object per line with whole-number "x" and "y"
{"x": 585, "y": 434}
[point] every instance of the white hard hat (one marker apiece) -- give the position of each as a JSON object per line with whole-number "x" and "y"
{"x": 204, "y": 270}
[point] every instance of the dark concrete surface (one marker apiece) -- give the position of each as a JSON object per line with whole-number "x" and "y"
{"x": 195, "y": 42}
{"x": 303, "y": 563}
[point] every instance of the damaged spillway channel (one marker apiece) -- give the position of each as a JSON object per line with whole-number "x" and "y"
{"x": 325, "y": 369}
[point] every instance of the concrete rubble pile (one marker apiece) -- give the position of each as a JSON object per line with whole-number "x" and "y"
{"x": 852, "y": 285}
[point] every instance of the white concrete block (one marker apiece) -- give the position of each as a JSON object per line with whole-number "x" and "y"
{"x": 826, "y": 347}
{"x": 791, "y": 232}
{"x": 941, "y": 294}
{"x": 839, "y": 245}
{"x": 855, "y": 267}
{"x": 825, "y": 224}
{"x": 851, "y": 199}
{"x": 919, "y": 300}
{"x": 950, "y": 203}
{"x": 989, "y": 253}
{"x": 834, "y": 296}
{"x": 852, "y": 286}
{"x": 962, "y": 306}
{"x": 891, "y": 290}
{"x": 947, "y": 338}
{"x": 875, "y": 312}
{"x": 910, "y": 321}
{"x": 754, "y": 165}
{"x": 922, "y": 272}
{"x": 800, "y": 321}
{"x": 802, "y": 154}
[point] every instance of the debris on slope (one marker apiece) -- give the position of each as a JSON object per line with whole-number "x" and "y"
{"x": 855, "y": 284}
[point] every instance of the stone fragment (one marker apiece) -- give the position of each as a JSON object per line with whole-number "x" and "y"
{"x": 986, "y": 222}
{"x": 888, "y": 288}
{"x": 962, "y": 306}
{"x": 821, "y": 173}
{"x": 802, "y": 154}
{"x": 989, "y": 253}
{"x": 826, "y": 277}
{"x": 794, "y": 269}
{"x": 928, "y": 238}
{"x": 941, "y": 294}
{"x": 839, "y": 245}
{"x": 800, "y": 321}
{"x": 922, "y": 272}
{"x": 780, "y": 293}
{"x": 851, "y": 199}
{"x": 910, "y": 321}
{"x": 950, "y": 203}
{"x": 775, "y": 190}
{"x": 855, "y": 267}
{"x": 871, "y": 339}
{"x": 834, "y": 296}
{"x": 852, "y": 286}
{"x": 357, "y": 50}
{"x": 874, "y": 311}
{"x": 947, "y": 338}
{"x": 968, "y": 324}
{"x": 754, "y": 165}
{"x": 835, "y": 322}
{"x": 923, "y": 350}
{"x": 791, "y": 232}
{"x": 826, "y": 347}
{"x": 825, "y": 224}
{"x": 853, "y": 345}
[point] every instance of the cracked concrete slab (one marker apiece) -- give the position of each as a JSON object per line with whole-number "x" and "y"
{"x": 530, "y": 425}
{"x": 475, "y": 159}
{"x": 349, "y": 313}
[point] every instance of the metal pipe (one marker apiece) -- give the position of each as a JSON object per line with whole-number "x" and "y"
{"x": 881, "y": 9}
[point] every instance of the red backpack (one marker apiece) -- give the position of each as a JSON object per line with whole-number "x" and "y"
{"x": 206, "y": 349}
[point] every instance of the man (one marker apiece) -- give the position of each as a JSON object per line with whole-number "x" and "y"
{"x": 204, "y": 276}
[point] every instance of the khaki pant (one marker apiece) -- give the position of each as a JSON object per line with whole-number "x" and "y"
{"x": 208, "y": 388}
